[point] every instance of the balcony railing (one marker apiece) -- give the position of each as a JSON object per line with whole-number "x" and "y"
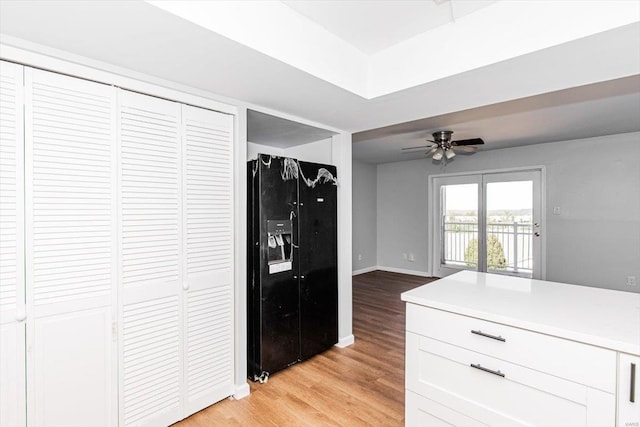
{"x": 515, "y": 239}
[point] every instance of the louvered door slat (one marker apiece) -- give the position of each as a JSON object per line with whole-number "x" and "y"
{"x": 208, "y": 210}
{"x": 72, "y": 167}
{"x": 150, "y": 242}
{"x": 12, "y": 297}
{"x": 11, "y": 191}
{"x": 71, "y": 249}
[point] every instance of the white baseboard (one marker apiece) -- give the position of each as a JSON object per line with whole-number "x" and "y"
{"x": 391, "y": 270}
{"x": 404, "y": 271}
{"x": 242, "y": 391}
{"x": 364, "y": 270}
{"x": 346, "y": 341}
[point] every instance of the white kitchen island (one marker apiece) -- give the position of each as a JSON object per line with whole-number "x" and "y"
{"x": 487, "y": 349}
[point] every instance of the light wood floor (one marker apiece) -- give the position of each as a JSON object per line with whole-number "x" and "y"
{"x": 361, "y": 385}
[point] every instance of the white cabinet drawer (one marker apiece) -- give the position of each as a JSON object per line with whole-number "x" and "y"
{"x": 423, "y": 412}
{"x": 517, "y": 396}
{"x": 581, "y": 363}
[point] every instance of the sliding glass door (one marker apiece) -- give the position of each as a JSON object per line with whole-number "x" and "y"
{"x": 459, "y": 223}
{"x": 488, "y": 222}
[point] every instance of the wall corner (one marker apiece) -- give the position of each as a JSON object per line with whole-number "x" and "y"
{"x": 341, "y": 156}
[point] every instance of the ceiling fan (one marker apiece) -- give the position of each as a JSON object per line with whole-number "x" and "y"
{"x": 445, "y": 148}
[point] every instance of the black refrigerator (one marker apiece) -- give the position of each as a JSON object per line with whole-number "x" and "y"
{"x": 292, "y": 262}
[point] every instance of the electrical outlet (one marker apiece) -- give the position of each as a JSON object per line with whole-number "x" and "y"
{"x": 412, "y": 257}
{"x": 404, "y": 256}
{"x": 359, "y": 257}
{"x": 631, "y": 281}
{"x": 556, "y": 210}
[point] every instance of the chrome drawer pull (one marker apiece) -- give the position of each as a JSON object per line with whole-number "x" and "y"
{"x": 498, "y": 373}
{"x": 632, "y": 391}
{"x": 493, "y": 337}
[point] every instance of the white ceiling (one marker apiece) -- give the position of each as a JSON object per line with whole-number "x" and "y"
{"x": 598, "y": 109}
{"x": 141, "y": 37}
{"x": 281, "y": 133}
{"x": 500, "y": 31}
{"x": 372, "y": 26}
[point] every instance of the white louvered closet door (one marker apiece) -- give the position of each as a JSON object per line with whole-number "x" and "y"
{"x": 151, "y": 247}
{"x": 208, "y": 267}
{"x": 71, "y": 250}
{"x": 12, "y": 302}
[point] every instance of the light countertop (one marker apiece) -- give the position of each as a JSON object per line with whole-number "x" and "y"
{"x": 600, "y": 317}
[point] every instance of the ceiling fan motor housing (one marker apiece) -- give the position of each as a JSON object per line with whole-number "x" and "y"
{"x": 442, "y": 135}
{"x": 443, "y": 138}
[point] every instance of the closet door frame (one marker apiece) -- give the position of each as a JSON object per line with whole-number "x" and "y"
{"x": 61, "y": 63}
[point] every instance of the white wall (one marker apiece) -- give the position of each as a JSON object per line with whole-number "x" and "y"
{"x": 317, "y": 152}
{"x": 365, "y": 251}
{"x": 341, "y": 149}
{"x": 254, "y": 149}
{"x": 595, "y": 241}
{"x": 402, "y": 221}
{"x": 239, "y": 256}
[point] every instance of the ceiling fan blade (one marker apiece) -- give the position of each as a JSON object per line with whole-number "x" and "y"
{"x": 473, "y": 141}
{"x": 464, "y": 149}
{"x": 414, "y": 148}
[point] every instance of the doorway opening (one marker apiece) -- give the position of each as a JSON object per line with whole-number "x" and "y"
{"x": 489, "y": 222}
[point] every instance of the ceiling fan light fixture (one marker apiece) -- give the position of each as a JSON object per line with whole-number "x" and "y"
{"x": 444, "y": 148}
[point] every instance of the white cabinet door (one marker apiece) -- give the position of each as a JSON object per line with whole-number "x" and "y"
{"x": 208, "y": 267}
{"x": 12, "y": 302}
{"x": 628, "y": 390}
{"x": 151, "y": 257}
{"x": 71, "y": 250}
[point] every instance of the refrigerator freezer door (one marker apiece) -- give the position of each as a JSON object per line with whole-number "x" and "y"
{"x": 272, "y": 309}
{"x": 318, "y": 258}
